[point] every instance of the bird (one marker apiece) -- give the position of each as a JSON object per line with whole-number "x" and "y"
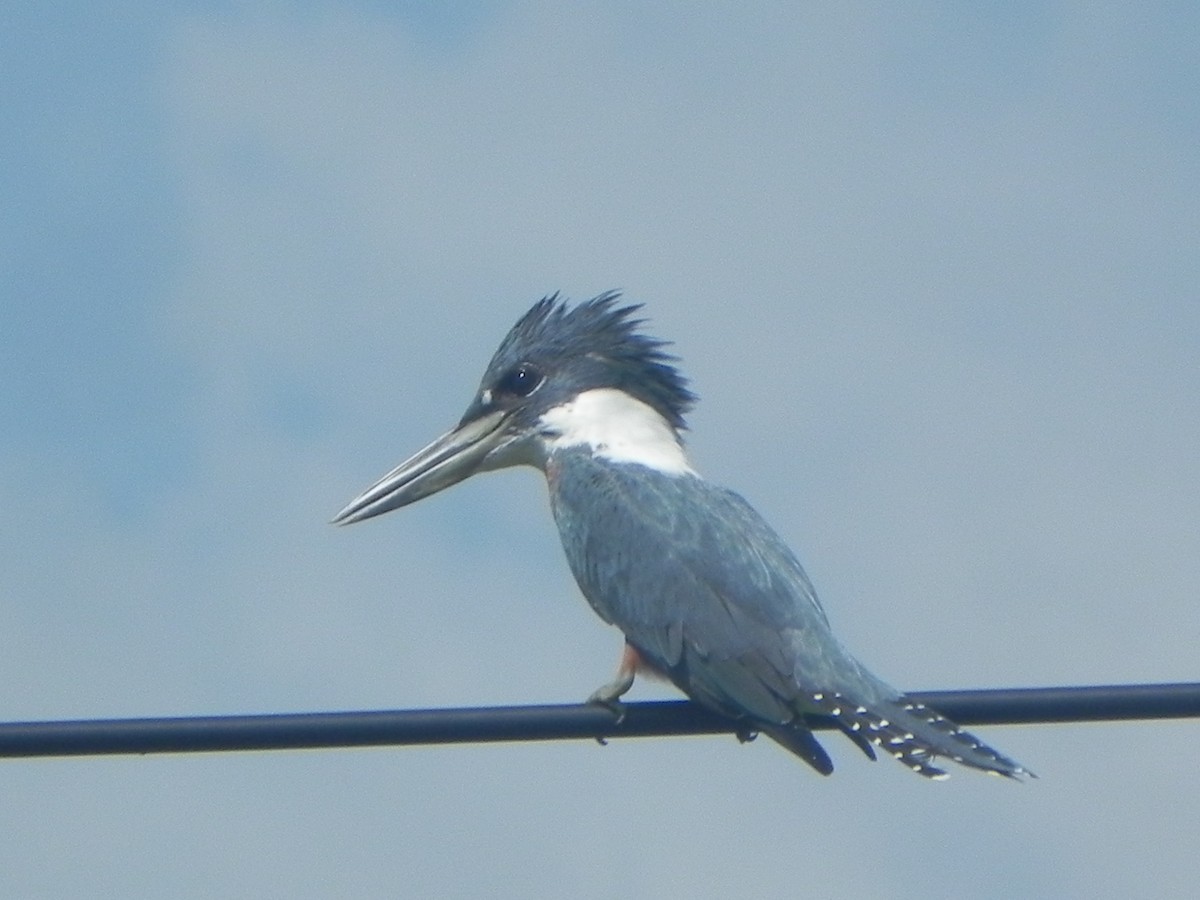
{"x": 705, "y": 592}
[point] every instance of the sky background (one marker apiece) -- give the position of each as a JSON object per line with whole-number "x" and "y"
{"x": 932, "y": 269}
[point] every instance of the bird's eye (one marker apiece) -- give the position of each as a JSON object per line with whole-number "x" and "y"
{"x": 521, "y": 380}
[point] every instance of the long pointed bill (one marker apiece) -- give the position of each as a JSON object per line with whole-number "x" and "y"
{"x": 454, "y": 456}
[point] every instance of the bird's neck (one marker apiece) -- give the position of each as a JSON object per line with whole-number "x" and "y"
{"x": 616, "y": 427}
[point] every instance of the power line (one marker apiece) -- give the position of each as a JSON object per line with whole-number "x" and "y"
{"x": 200, "y": 734}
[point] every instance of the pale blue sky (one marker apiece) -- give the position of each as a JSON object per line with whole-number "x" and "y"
{"x": 932, "y": 269}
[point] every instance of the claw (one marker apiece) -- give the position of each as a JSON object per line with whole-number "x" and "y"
{"x": 746, "y": 735}
{"x": 608, "y": 697}
{"x": 609, "y": 694}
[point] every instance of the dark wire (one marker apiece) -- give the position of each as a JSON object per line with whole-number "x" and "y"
{"x": 197, "y": 734}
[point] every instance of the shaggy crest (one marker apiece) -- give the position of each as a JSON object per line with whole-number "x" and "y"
{"x": 603, "y": 346}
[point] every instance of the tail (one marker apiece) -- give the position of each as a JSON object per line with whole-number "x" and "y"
{"x": 916, "y": 735}
{"x": 911, "y": 732}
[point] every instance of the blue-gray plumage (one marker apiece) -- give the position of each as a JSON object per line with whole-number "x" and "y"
{"x": 704, "y": 590}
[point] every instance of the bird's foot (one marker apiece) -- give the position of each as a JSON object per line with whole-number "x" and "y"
{"x": 746, "y": 735}
{"x": 609, "y": 695}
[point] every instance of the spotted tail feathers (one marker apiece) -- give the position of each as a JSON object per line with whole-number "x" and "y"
{"x": 911, "y": 732}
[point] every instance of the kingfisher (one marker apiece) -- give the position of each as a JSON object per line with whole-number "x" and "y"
{"x": 704, "y": 590}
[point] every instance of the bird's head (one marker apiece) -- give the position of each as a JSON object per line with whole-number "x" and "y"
{"x": 563, "y": 376}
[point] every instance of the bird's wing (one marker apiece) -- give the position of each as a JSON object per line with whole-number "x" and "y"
{"x": 701, "y": 585}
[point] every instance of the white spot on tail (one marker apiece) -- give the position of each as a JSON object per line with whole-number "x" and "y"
{"x": 617, "y": 427}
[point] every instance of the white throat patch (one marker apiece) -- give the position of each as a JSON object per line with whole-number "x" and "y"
{"x": 619, "y": 428}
